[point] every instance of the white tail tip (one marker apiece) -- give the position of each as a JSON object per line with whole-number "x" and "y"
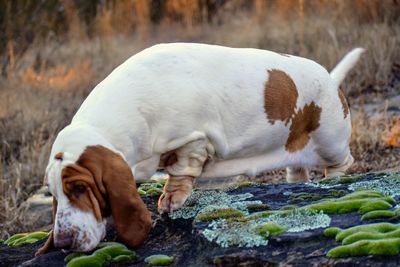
{"x": 346, "y": 64}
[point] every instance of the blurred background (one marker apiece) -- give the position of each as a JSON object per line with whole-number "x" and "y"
{"x": 53, "y": 52}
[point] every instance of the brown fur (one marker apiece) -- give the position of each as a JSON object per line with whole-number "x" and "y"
{"x": 280, "y": 97}
{"x": 344, "y": 103}
{"x": 101, "y": 181}
{"x": 59, "y": 156}
{"x": 304, "y": 122}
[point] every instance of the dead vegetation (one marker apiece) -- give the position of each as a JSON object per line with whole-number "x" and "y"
{"x": 44, "y": 80}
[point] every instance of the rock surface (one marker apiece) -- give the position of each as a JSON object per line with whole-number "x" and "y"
{"x": 184, "y": 239}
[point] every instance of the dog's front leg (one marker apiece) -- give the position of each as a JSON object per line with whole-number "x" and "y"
{"x": 176, "y": 190}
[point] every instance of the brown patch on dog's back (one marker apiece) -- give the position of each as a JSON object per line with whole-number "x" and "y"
{"x": 280, "y": 97}
{"x": 304, "y": 122}
{"x": 344, "y": 103}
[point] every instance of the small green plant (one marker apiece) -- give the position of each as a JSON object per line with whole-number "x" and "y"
{"x": 270, "y": 229}
{"x": 378, "y": 214}
{"x": 368, "y": 239}
{"x": 159, "y": 260}
{"x": 106, "y": 252}
{"x": 25, "y": 239}
{"x": 150, "y": 188}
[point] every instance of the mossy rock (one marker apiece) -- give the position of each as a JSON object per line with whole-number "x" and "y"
{"x": 223, "y": 213}
{"x": 159, "y": 260}
{"x": 341, "y": 180}
{"x": 369, "y": 239}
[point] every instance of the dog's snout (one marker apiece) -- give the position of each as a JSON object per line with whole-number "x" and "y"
{"x": 63, "y": 241}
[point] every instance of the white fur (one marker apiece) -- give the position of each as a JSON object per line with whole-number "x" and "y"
{"x": 346, "y": 64}
{"x": 206, "y": 101}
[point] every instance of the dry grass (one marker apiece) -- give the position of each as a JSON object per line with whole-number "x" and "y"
{"x": 44, "y": 86}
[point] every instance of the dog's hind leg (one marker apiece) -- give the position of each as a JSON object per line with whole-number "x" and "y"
{"x": 339, "y": 169}
{"x": 297, "y": 175}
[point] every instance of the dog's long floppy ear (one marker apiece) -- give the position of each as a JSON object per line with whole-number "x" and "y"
{"x": 115, "y": 180}
{"x": 49, "y": 244}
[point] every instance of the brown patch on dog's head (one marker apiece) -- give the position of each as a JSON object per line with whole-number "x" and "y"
{"x": 83, "y": 191}
{"x": 280, "y": 97}
{"x": 304, "y": 122}
{"x": 344, "y": 103}
{"x": 102, "y": 181}
{"x": 59, "y": 156}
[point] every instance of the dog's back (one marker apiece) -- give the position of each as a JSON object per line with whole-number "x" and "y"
{"x": 257, "y": 109}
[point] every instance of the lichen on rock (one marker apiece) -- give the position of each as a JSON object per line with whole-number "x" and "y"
{"x": 218, "y": 214}
{"x": 206, "y": 201}
{"x": 336, "y": 181}
{"x": 228, "y": 233}
{"x": 245, "y": 232}
{"x": 389, "y": 186}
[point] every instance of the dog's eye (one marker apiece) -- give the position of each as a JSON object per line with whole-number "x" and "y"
{"x": 79, "y": 189}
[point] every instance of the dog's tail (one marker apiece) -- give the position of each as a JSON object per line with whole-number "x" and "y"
{"x": 346, "y": 64}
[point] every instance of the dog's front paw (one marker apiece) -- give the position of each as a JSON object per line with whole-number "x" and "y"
{"x": 171, "y": 201}
{"x": 176, "y": 191}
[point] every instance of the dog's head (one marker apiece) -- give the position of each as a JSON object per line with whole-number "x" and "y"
{"x": 100, "y": 183}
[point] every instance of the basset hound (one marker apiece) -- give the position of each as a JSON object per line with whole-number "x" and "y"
{"x": 197, "y": 110}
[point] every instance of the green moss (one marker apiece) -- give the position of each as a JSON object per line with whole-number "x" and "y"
{"x": 289, "y": 207}
{"x": 205, "y": 201}
{"x": 246, "y": 184}
{"x": 301, "y": 197}
{"x": 370, "y": 228}
{"x": 111, "y": 251}
{"x": 25, "y": 238}
{"x": 218, "y": 214}
{"x": 363, "y": 202}
{"x": 159, "y": 260}
{"x": 151, "y": 188}
{"x": 336, "y": 181}
{"x": 13, "y": 238}
{"x": 154, "y": 192}
{"x": 332, "y": 231}
{"x": 1, "y": 241}
{"x": 122, "y": 258}
{"x": 388, "y": 247}
{"x": 270, "y": 229}
{"x": 377, "y": 214}
{"x": 73, "y": 255}
{"x": 368, "y": 239}
{"x": 141, "y": 192}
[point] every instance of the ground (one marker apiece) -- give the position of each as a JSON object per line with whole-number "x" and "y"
{"x": 303, "y": 244}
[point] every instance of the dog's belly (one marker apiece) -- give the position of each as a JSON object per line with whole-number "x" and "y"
{"x": 272, "y": 160}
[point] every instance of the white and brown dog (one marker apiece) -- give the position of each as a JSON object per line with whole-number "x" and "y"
{"x": 197, "y": 110}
